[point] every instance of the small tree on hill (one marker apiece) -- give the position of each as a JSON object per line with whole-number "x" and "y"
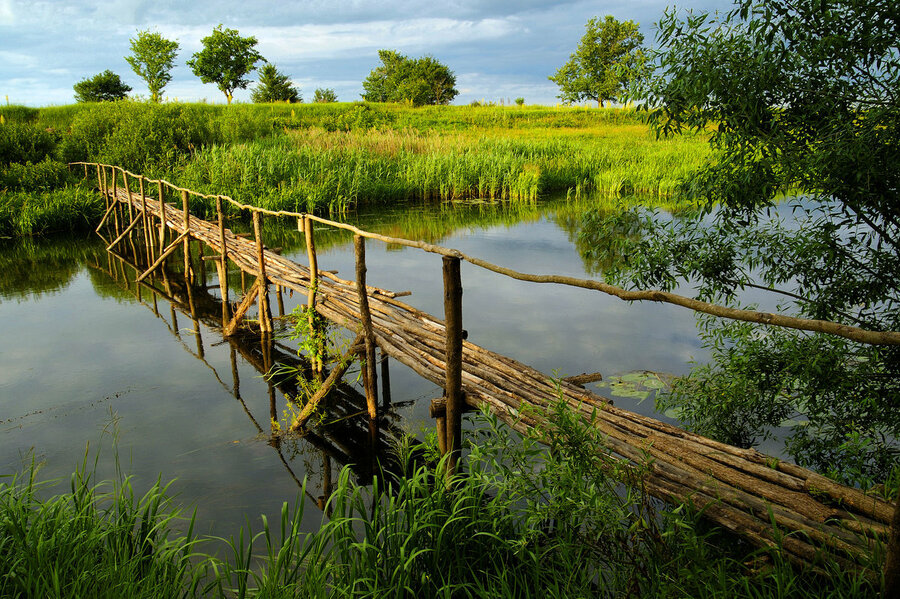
{"x": 152, "y": 58}
{"x": 102, "y": 87}
{"x": 324, "y": 95}
{"x": 274, "y": 87}
{"x": 608, "y": 59}
{"x": 226, "y": 59}
{"x": 417, "y": 81}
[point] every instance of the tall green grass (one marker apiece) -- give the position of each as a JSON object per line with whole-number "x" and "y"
{"x": 522, "y": 520}
{"x": 336, "y": 157}
{"x": 94, "y": 541}
{"x": 319, "y": 170}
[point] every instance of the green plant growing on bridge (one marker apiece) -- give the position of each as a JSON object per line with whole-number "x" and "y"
{"x": 226, "y": 59}
{"x": 320, "y": 342}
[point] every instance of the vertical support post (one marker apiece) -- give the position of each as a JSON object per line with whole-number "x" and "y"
{"x": 453, "y": 386}
{"x": 85, "y": 170}
{"x": 278, "y": 294}
{"x": 265, "y": 316}
{"x": 162, "y": 217}
{"x": 313, "y": 286}
{"x": 201, "y": 264}
{"x": 441, "y": 423}
{"x": 222, "y": 264}
{"x": 385, "y": 381}
{"x": 185, "y": 203}
{"x": 101, "y": 184}
{"x": 370, "y": 379}
{"x": 115, "y": 198}
{"x": 145, "y": 223}
{"x": 127, "y": 187}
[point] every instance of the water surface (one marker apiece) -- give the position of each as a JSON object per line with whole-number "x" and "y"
{"x": 83, "y": 360}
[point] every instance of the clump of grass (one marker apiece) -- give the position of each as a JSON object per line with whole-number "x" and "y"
{"x": 71, "y": 208}
{"x": 523, "y": 519}
{"x": 93, "y": 541}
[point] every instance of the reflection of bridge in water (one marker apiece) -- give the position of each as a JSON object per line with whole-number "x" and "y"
{"x": 346, "y": 440}
{"x": 768, "y": 501}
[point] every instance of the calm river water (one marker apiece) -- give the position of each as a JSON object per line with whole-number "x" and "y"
{"x": 85, "y": 363}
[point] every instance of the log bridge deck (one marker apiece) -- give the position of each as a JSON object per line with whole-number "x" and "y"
{"x": 768, "y": 501}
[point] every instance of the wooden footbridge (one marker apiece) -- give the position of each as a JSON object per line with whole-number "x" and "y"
{"x": 768, "y": 501}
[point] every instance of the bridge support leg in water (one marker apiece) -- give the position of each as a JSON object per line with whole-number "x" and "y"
{"x": 454, "y": 333}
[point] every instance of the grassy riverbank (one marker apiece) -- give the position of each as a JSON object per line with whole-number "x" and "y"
{"x": 332, "y": 157}
{"x": 523, "y": 520}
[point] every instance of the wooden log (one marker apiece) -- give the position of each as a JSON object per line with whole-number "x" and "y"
{"x": 185, "y": 200}
{"x": 162, "y": 257}
{"x": 365, "y": 316}
{"x": 265, "y": 316}
{"x": 385, "y": 381}
{"x": 453, "y": 386}
{"x": 313, "y": 287}
{"x": 145, "y": 222}
{"x": 162, "y": 216}
{"x": 114, "y": 198}
{"x": 438, "y": 407}
{"x": 122, "y": 235}
{"x": 101, "y": 185}
{"x": 280, "y": 297}
{"x": 241, "y": 310}
{"x": 584, "y": 379}
{"x": 333, "y": 377}
{"x": 109, "y": 210}
{"x": 223, "y": 260}
{"x": 127, "y": 186}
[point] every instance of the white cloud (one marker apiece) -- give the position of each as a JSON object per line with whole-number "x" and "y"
{"x": 6, "y": 13}
{"x": 315, "y": 42}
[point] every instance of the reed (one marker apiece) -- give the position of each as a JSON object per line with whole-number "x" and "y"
{"x": 336, "y": 157}
{"x": 96, "y": 540}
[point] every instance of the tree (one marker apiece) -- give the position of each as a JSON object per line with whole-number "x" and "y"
{"x": 226, "y": 59}
{"x": 274, "y": 87}
{"x": 417, "y": 81}
{"x": 324, "y": 95}
{"x": 608, "y": 59}
{"x": 800, "y": 97}
{"x": 102, "y": 87}
{"x": 152, "y": 58}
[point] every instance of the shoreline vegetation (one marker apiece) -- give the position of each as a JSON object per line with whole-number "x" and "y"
{"x": 332, "y": 158}
{"x": 524, "y": 519}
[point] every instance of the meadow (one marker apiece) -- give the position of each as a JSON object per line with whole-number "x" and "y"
{"x": 331, "y": 158}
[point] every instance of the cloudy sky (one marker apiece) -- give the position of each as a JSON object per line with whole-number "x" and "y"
{"x": 497, "y": 48}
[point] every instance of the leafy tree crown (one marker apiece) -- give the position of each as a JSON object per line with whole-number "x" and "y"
{"x": 226, "y": 59}
{"x": 152, "y": 59}
{"x": 608, "y": 59}
{"x": 102, "y": 87}
{"x": 416, "y": 81}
